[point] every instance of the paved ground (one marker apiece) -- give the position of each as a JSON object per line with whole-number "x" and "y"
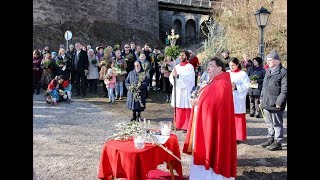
{"x": 68, "y": 139}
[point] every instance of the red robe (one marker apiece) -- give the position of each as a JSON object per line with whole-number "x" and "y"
{"x": 215, "y": 143}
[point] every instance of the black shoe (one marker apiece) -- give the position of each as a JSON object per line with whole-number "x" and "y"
{"x": 274, "y": 146}
{"x": 133, "y": 119}
{"x": 267, "y": 143}
{"x": 258, "y": 116}
{"x": 251, "y": 115}
{"x": 83, "y": 95}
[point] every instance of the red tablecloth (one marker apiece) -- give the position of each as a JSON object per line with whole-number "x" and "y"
{"x": 122, "y": 160}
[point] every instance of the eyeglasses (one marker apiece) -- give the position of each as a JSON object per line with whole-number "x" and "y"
{"x": 126, "y": 47}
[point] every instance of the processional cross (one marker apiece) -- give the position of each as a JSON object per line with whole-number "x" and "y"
{"x": 173, "y": 37}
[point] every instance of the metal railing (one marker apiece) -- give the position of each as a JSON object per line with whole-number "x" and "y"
{"x": 196, "y": 3}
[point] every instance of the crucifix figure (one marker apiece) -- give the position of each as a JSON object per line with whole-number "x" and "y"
{"x": 173, "y": 37}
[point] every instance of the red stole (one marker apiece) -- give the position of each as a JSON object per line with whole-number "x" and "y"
{"x": 237, "y": 70}
{"x": 183, "y": 63}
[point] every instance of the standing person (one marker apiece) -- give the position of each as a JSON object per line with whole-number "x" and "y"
{"x": 105, "y": 64}
{"x": 166, "y": 68}
{"x": 100, "y": 52}
{"x": 45, "y": 51}
{"x": 48, "y": 68}
{"x": 80, "y": 70}
{"x": 138, "y": 51}
{"x": 226, "y": 58}
{"x": 93, "y": 74}
{"x": 110, "y": 82}
{"x": 136, "y": 84}
{"x": 148, "y": 52}
{"x": 195, "y": 63}
{"x": 54, "y": 56}
{"x": 246, "y": 63}
{"x": 146, "y": 66}
{"x": 36, "y": 71}
{"x": 63, "y": 65}
{"x": 256, "y": 75}
{"x": 240, "y": 86}
{"x": 129, "y": 58}
{"x": 211, "y": 135}
{"x": 184, "y": 74}
{"x": 133, "y": 47}
{"x": 119, "y": 63}
{"x": 273, "y": 100}
{"x": 156, "y": 68}
{"x": 70, "y": 54}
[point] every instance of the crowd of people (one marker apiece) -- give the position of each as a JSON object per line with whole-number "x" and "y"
{"x": 209, "y": 104}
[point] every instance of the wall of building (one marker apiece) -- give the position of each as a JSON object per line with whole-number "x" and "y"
{"x": 95, "y": 21}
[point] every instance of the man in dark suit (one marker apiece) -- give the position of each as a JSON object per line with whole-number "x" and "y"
{"x": 80, "y": 70}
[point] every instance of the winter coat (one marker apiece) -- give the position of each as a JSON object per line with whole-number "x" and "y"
{"x": 131, "y": 79}
{"x": 110, "y": 83}
{"x": 83, "y": 62}
{"x": 36, "y": 69}
{"x": 274, "y": 89}
{"x": 93, "y": 68}
{"x": 64, "y": 70}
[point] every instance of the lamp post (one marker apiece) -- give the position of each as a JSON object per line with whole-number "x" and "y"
{"x": 262, "y": 18}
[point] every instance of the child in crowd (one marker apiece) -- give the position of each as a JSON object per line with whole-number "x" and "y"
{"x": 110, "y": 81}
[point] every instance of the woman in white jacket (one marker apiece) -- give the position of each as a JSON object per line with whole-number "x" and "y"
{"x": 93, "y": 74}
{"x": 240, "y": 86}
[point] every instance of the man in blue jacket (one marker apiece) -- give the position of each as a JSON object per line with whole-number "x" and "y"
{"x": 273, "y": 100}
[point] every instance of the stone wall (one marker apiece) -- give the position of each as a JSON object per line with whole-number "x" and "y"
{"x": 98, "y": 22}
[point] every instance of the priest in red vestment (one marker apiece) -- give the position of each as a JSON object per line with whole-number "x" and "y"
{"x": 211, "y": 135}
{"x": 185, "y": 77}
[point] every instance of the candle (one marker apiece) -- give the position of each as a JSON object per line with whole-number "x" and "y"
{"x": 165, "y": 131}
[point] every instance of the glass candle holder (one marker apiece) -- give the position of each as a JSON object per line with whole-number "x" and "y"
{"x": 165, "y": 127}
{"x": 139, "y": 141}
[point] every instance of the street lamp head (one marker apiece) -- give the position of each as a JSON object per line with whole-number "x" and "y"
{"x": 262, "y": 17}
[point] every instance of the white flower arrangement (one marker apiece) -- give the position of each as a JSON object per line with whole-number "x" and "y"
{"x": 128, "y": 130}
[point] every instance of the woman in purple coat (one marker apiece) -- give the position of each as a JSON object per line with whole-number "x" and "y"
{"x": 36, "y": 71}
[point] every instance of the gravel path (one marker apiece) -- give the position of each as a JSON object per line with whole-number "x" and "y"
{"x": 68, "y": 139}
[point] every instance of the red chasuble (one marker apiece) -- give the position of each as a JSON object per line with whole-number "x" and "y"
{"x": 215, "y": 143}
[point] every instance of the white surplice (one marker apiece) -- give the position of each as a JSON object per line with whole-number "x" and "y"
{"x": 242, "y": 81}
{"x": 184, "y": 85}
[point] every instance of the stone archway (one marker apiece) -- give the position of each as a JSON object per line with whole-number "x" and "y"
{"x": 177, "y": 26}
{"x": 190, "y": 35}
